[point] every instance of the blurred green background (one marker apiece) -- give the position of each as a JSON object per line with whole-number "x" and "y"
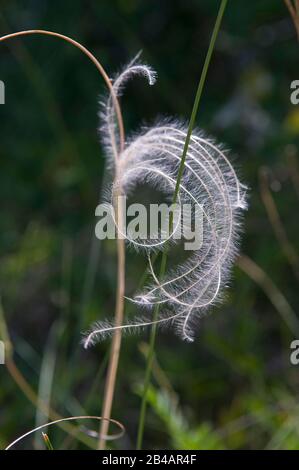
{"x": 234, "y": 387}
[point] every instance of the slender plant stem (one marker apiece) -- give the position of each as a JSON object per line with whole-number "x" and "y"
{"x": 31, "y": 395}
{"x": 116, "y": 342}
{"x": 91, "y": 57}
{"x": 177, "y": 187}
{"x": 276, "y": 297}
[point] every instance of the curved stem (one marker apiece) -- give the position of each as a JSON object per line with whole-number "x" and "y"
{"x": 198, "y": 95}
{"x": 26, "y": 388}
{"x": 116, "y": 340}
{"x": 276, "y": 297}
{"x": 30, "y": 394}
{"x": 293, "y": 8}
{"x": 91, "y": 57}
{"x": 59, "y": 421}
{"x": 115, "y": 347}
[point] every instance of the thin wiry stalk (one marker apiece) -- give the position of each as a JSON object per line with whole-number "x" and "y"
{"x": 91, "y": 57}
{"x": 22, "y": 383}
{"x": 26, "y": 388}
{"x": 30, "y": 394}
{"x": 64, "y": 420}
{"x": 115, "y": 346}
{"x": 164, "y": 255}
{"x": 110, "y": 384}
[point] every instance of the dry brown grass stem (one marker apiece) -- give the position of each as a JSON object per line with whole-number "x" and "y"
{"x": 32, "y": 396}
{"x": 116, "y": 342}
{"x": 91, "y": 57}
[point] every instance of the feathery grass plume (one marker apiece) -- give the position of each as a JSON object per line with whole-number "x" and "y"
{"x": 209, "y": 184}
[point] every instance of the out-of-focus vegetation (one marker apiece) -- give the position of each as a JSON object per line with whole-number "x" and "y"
{"x": 232, "y": 388}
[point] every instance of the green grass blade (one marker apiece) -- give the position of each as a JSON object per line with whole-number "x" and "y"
{"x": 177, "y": 187}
